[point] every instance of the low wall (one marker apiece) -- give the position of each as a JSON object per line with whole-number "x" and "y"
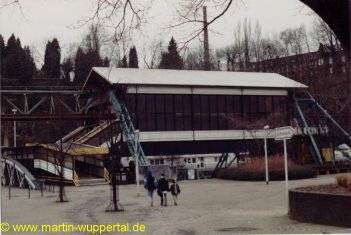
{"x": 320, "y": 208}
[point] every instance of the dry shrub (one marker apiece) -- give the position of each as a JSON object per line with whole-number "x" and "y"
{"x": 275, "y": 163}
{"x": 255, "y": 170}
{"x": 344, "y": 180}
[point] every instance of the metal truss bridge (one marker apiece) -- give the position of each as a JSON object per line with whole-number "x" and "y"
{"x": 51, "y": 103}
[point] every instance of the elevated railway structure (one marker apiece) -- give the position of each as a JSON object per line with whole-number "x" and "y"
{"x": 49, "y": 103}
{"x": 177, "y": 113}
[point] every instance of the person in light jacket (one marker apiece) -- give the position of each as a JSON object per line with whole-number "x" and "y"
{"x": 175, "y": 191}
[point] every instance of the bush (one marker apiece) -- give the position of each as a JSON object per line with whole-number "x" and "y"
{"x": 255, "y": 170}
{"x": 344, "y": 180}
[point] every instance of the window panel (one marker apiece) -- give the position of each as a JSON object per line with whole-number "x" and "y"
{"x": 222, "y": 113}
{"x": 141, "y": 101}
{"x": 230, "y": 104}
{"x": 197, "y": 103}
{"x": 204, "y": 104}
{"x": 246, "y": 104}
{"x": 197, "y": 111}
{"x": 179, "y": 122}
{"x": 150, "y": 103}
{"x": 170, "y": 122}
{"x": 169, "y": 103}
{"x": 160, "y": 103}
{"x": 262, "y": 104}
{"x": 187, "y": 103}
{"x": 253, "y": 104}
{"x": 187, "y": 121}
{"x": 130, "y": 100}
{"x": 269, "y": 107}
{"x": 160, "y": 122}
{"x": 221, "y": 104}
{"x": 237, "y": 103}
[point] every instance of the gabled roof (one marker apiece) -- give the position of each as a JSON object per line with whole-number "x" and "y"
{"x": 163, "y": 77}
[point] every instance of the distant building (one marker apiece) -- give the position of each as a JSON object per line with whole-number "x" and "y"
{"x": 326, "y": 72}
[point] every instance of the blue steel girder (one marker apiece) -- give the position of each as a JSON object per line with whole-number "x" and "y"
{"x": 128, "y": 130}
{"x": 316, "y": 153}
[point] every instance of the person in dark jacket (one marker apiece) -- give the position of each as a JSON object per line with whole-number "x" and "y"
{"x": 150, "y": 186}
{"x": 162, "y": 189}
{"x": 175, "y": 191}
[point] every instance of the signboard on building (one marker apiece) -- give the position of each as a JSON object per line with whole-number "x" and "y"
{"x": 286, "y": 132}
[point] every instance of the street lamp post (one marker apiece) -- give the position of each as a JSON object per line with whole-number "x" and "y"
{"x": 14, "y": 129}
{"x": 266, "y": 128}
{"x": 136, "y": 157}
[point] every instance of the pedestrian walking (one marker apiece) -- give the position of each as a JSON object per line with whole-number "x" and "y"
{"x": 162, "y": 189}
{"x": 175, "y": 191}
{"x": 150, "y": 186}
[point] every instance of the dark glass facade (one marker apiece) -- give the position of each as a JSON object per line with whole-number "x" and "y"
{"x": 175, "y": 112}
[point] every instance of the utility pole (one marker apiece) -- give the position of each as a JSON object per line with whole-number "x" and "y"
{"x": 62, "y": 196}
{"x": 14, "y": 129}
{"x": 206, "y": 43}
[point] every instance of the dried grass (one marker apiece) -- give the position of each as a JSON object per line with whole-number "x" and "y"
{"x": 344, "y": 180}
{"x": 255, "y": 170}
{"x": 275, "y": 163}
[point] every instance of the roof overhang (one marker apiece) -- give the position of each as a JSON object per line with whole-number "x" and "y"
{"x": 186, "y": 78}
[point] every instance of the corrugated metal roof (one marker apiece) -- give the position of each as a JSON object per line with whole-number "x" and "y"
{"x": 195, "y": 78}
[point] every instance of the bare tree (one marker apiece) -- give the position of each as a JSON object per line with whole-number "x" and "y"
{"x": 126, "y": 16}
{"x": 190, "y": 13}
{"x": 271, "y": 49}
{"x": 194, "y": 59}
{"x": 257, "y": 41}
{"x": 294, "y": 40}
{"x": 247, "y": 30}
{"x": 322, "y": 34}
{"x": 286, "y": 38}
{"x": 152, "y": 54}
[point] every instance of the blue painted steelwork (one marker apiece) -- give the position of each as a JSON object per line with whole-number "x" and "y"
{"x": 128, "y": 130}
{"x": 314, "y": 148}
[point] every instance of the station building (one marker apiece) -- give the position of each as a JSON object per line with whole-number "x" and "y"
{"x": 197, "y": 115}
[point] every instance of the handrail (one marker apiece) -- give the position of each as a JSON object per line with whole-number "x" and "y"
{"x": 107, "y": 175}
{"x": 76, "y": 178}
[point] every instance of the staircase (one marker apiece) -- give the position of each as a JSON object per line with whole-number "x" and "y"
{"x": 92, "y": 132}
{"x": 92, "y": 182}
{"x": 222, "y": 163}
{"x": 128, "y": 130}
{"x": 302, "y": 121}
{"x": 307, "y": 99}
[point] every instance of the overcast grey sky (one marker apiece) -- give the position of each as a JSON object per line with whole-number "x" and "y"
{"x": 41, "y": 20}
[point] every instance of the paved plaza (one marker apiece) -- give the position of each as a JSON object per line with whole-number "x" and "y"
{"x": 206, "y": 207}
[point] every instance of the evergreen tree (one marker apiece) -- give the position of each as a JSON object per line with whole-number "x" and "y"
{"x": 67, "y": 67}
{"x": 52, "y": 59}
{"x": 106, "y": 62}
{"x": 2, "y": 55}
{"x": 16, "y": 62}
{"x": 84, "y": 62}
{"x": 46, "y": 64}
{"x": 89, "y": 56}
{"x": 79, "y": 68}
{"x": 171, "y": 59}
{"x": 12, "y": 60}
{"x": 56, "y": 59}
{"x": 123, "y": 63}
{"x": 28, "y": 65}
{"x": 133, "y": 58}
